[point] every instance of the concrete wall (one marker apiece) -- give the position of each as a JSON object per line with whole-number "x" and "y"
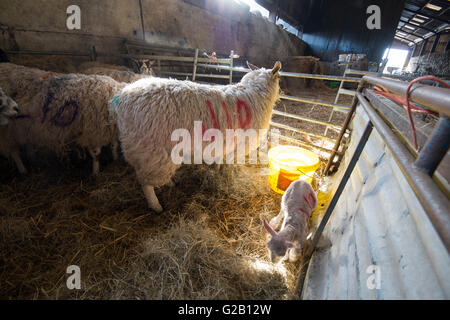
{"x": 212, "y": 25}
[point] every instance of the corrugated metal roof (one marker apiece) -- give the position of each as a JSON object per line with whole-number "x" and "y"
{"x": 378, "y": 222}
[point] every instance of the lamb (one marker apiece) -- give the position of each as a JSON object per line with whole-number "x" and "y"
{"x": 149, "y": 110}
{"x": 58, "y": 110}
{"x": 8, "y": 108}
{"x": 297, "y": 203}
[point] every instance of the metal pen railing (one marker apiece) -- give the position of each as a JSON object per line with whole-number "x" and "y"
{"x": 418, "y": 172}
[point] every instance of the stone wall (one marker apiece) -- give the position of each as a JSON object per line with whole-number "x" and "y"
{"x": 219, "y": 26}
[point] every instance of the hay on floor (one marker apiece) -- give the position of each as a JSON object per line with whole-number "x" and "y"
{"x": 208, "y": 244}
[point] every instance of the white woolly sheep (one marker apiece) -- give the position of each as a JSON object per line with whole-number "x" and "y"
{"x": 8, "y": 108}
{"x": 58, "y": 110}
{"x": 297, "y": 203}
{"x": 149, "y": 110}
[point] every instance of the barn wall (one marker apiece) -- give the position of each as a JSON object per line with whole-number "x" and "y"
{"x": 205, "y": 24}
{"x": 378, "y": 221}
{"x": 333, "y": 27}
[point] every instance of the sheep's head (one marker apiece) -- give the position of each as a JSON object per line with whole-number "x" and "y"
{"x": 144, "y": 66}
{"x": 277, "y": 245}
{"x": 8, "y": 108}
{"x": 261, "y": 78}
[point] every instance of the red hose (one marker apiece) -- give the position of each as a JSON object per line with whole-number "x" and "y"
{"x": 408, "y": 104}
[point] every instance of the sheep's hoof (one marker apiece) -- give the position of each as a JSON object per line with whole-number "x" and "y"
{"x": 157, "y": 208}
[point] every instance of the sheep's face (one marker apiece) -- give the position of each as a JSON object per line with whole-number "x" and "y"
{"x": 277, "y": 248}
{"x": 8, "y": 108}
{"x": 278, "y": 245}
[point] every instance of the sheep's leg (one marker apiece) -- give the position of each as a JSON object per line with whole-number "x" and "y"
{"x": 152, "y": 200}
{"x": 95, "y": 154}
{"x": 115, "y": 149}
{"x": 16, "y": 157}
{"x": 275, "y": 222}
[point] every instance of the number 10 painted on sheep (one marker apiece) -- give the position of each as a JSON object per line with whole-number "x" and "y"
{"x": 245, "y": 142}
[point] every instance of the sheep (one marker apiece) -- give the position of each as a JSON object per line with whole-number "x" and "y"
{"x": 58, "y": 110}
{"x": 143, "y": 66}
{"x": 117, "y": 75}
{"x": 149, "y": 110}
{"x": 8, "y": 108}
{"x": 297, "y": 203}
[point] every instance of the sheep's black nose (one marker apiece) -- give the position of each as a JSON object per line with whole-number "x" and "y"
{"x": 16, "y": 109}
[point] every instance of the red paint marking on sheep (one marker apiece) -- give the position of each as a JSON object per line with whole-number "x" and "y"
{"x": 307, "y": 201}
{"x": 241, "y": 104}
{"x": 313, "y": 200}
{"x": 213, "y": 114}
{"x": 225, "y": 109}
{"x": 304, "y": 211}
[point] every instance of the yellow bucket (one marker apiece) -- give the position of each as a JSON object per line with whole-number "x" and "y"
{"x": 288, "y": 163}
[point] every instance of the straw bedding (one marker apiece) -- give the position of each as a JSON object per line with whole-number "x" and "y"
{"x": 201, "y": 247}
{"x": 209, "y": 243}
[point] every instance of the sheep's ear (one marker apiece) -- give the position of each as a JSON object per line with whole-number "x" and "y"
{"x": 269, "y": 228}
{"x": 251, "y": 66}
{"x": 276, "y": 67}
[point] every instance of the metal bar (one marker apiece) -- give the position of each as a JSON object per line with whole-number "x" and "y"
{"x": 435, "y": 42}
{"x": 309, "y": 252}
{"x": 433, "y": 200}
{"x": 231, "y": 66}
{"x": 294, "y": 116}
{"x": 424, "y": 46}
{"x": 360, "y": 72}
{"x": 319, "y": 77}
{"x": 198, "y": 75}
{"x": 300, "y": 142}
{"x": 405, "y": 39}
{"x": 410, "y": 33}
{"x": 436, "y": 147}
{"x": 168, "y": 58}
{"x": 48, "y": 53}
{"x": 237, "y": 69}
{"x": 283, "y": 126}
{"x": 435, "y": 98}
{"x": 289, "y": 74}
{"x": 194, "y": 72}
{"x": 320, "y": 103}
{"x": 342, "y": 132}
